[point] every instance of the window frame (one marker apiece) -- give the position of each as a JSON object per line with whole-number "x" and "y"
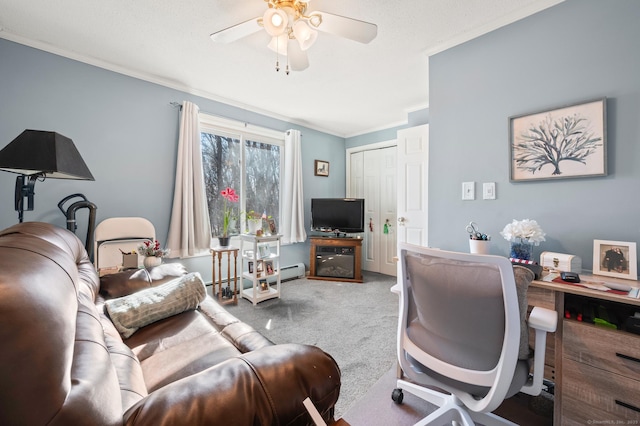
{"x": 244, "y": 131}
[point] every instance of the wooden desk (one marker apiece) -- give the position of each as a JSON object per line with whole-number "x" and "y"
{"x": 596, "y": 370}
{"x": 217, "y": 252}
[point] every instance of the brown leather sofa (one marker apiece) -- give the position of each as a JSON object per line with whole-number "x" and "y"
{"x": 63, "y": 362}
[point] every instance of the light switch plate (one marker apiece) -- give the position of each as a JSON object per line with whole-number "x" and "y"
{"x": 489, "y": 190}
{"x": 468, "y": 190}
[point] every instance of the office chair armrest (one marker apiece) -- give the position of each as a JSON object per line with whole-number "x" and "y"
{"x": 543, "y": 321}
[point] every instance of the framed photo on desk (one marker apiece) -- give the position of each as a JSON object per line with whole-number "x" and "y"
{"x": 615, "y": 259}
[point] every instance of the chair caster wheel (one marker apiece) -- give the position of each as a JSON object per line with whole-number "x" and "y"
{"x": 397, "y": 396}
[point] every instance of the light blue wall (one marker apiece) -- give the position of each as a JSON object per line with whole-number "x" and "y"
{"x": 576, "y": 51}
{"x": 127, "y": 132}
{"x": 415, "y": 118}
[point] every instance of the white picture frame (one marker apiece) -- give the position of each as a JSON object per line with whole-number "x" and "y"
{"x": 584, "y": 154}
{"x": 263, "y": 251}
{"x": 615, "y": 259}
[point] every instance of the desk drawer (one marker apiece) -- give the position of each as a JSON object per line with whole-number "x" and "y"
{"x": 594, "y": 396}
{"x": 611, "y": 350}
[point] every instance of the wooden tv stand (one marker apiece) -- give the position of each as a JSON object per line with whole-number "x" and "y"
{"x": 341, "y": 246}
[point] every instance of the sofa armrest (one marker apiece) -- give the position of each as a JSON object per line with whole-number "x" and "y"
{"x": 266, "y": 386}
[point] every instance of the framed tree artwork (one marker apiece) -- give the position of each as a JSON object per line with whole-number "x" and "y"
{"x": 566, "y": 142}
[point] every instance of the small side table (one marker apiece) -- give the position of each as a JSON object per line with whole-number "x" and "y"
{"x": 217, "y": 252}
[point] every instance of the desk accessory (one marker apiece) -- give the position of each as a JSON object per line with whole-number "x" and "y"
{"x": 570, "y": 277}
{"x": 561, "y": 262}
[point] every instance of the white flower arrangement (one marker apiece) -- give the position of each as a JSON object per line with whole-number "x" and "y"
{"x": 523, "y": 230}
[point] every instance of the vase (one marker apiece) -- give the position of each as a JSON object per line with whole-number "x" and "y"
{"x": 151, "y": 261}
{"x": 224, "y": 241}
{"x": 254, "y": 225}
{"x": 522, "y": 250}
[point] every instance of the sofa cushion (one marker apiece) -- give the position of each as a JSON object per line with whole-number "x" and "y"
{"x": 144, "y": 307}
{"x": 128, "y": 282}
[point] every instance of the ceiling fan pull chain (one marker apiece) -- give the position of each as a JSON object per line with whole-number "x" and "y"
{"x": 287, "y": 69}
{"x": 277, "y": 56}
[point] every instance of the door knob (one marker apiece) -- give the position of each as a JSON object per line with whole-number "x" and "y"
{"x": 401, "y": 221}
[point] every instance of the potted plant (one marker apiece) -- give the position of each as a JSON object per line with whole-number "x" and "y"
{"x": 229, "y": 196}
{"x": 152, "y": 253}
{"x": 254, "y": 221}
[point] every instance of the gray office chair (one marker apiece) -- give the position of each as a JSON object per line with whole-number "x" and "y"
{"x": 459, "y": 331}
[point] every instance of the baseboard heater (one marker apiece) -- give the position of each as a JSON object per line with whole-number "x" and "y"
{"x": 292, "y": 272}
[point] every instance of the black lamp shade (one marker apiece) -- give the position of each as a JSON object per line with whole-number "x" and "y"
{"x": 48, "y": 153}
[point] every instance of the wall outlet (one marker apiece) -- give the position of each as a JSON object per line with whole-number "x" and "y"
{"x": 468, "y": 190}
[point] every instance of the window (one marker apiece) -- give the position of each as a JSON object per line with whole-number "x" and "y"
{"x": 247, "y": 159}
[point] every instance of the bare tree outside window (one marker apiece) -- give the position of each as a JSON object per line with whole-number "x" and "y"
{"x": 259, "y": 186}
{"x": 263, "y": 178}
{"x": 221, "y": 160}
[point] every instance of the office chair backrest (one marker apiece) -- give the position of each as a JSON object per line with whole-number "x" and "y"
{"x": 460, "y": 320}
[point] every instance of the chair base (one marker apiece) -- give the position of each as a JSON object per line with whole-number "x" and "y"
{"x": 450, "y": 408}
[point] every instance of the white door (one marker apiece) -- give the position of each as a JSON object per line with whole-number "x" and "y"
{"x": 371, "y": 191}
{"x": 372, "y": 175}
{"x": 355, "y": 181}
{"x": 413, "y": 175}
{"x": 388, "y": 188}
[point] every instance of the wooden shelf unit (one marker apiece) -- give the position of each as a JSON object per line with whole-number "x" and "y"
{"x": 341, "y": 246}
{"x": 216, "y": 253}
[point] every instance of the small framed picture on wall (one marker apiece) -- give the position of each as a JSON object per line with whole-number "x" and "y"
{"x": 322, "y": 168}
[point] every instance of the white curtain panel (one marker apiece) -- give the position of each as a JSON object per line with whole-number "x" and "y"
{"x": 292, "y": 221}
{"x": 190, "y": 228}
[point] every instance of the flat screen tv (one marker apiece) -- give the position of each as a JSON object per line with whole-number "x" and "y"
{"x": 337, "y": 215}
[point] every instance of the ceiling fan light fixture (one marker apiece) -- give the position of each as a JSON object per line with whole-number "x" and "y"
{"x": 275, "y": 22}
{"x": 304, "y": 34}
{"x": 279, "y": 44}
{"x": 315, "y": 19}
{"x": 293, "y": 31}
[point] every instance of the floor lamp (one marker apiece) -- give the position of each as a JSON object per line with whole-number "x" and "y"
{"x": 37, "y": 155}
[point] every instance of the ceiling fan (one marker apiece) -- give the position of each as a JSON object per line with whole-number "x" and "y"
{"x": 293, "y": 31}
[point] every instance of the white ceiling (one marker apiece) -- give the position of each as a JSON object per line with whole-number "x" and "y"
{"x": 348, "y": 89}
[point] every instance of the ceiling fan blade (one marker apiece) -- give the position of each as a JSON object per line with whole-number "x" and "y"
{"x": 237, "y": 31}
{"x": 350, "y": 28}
{"x": 298, "y": 59}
